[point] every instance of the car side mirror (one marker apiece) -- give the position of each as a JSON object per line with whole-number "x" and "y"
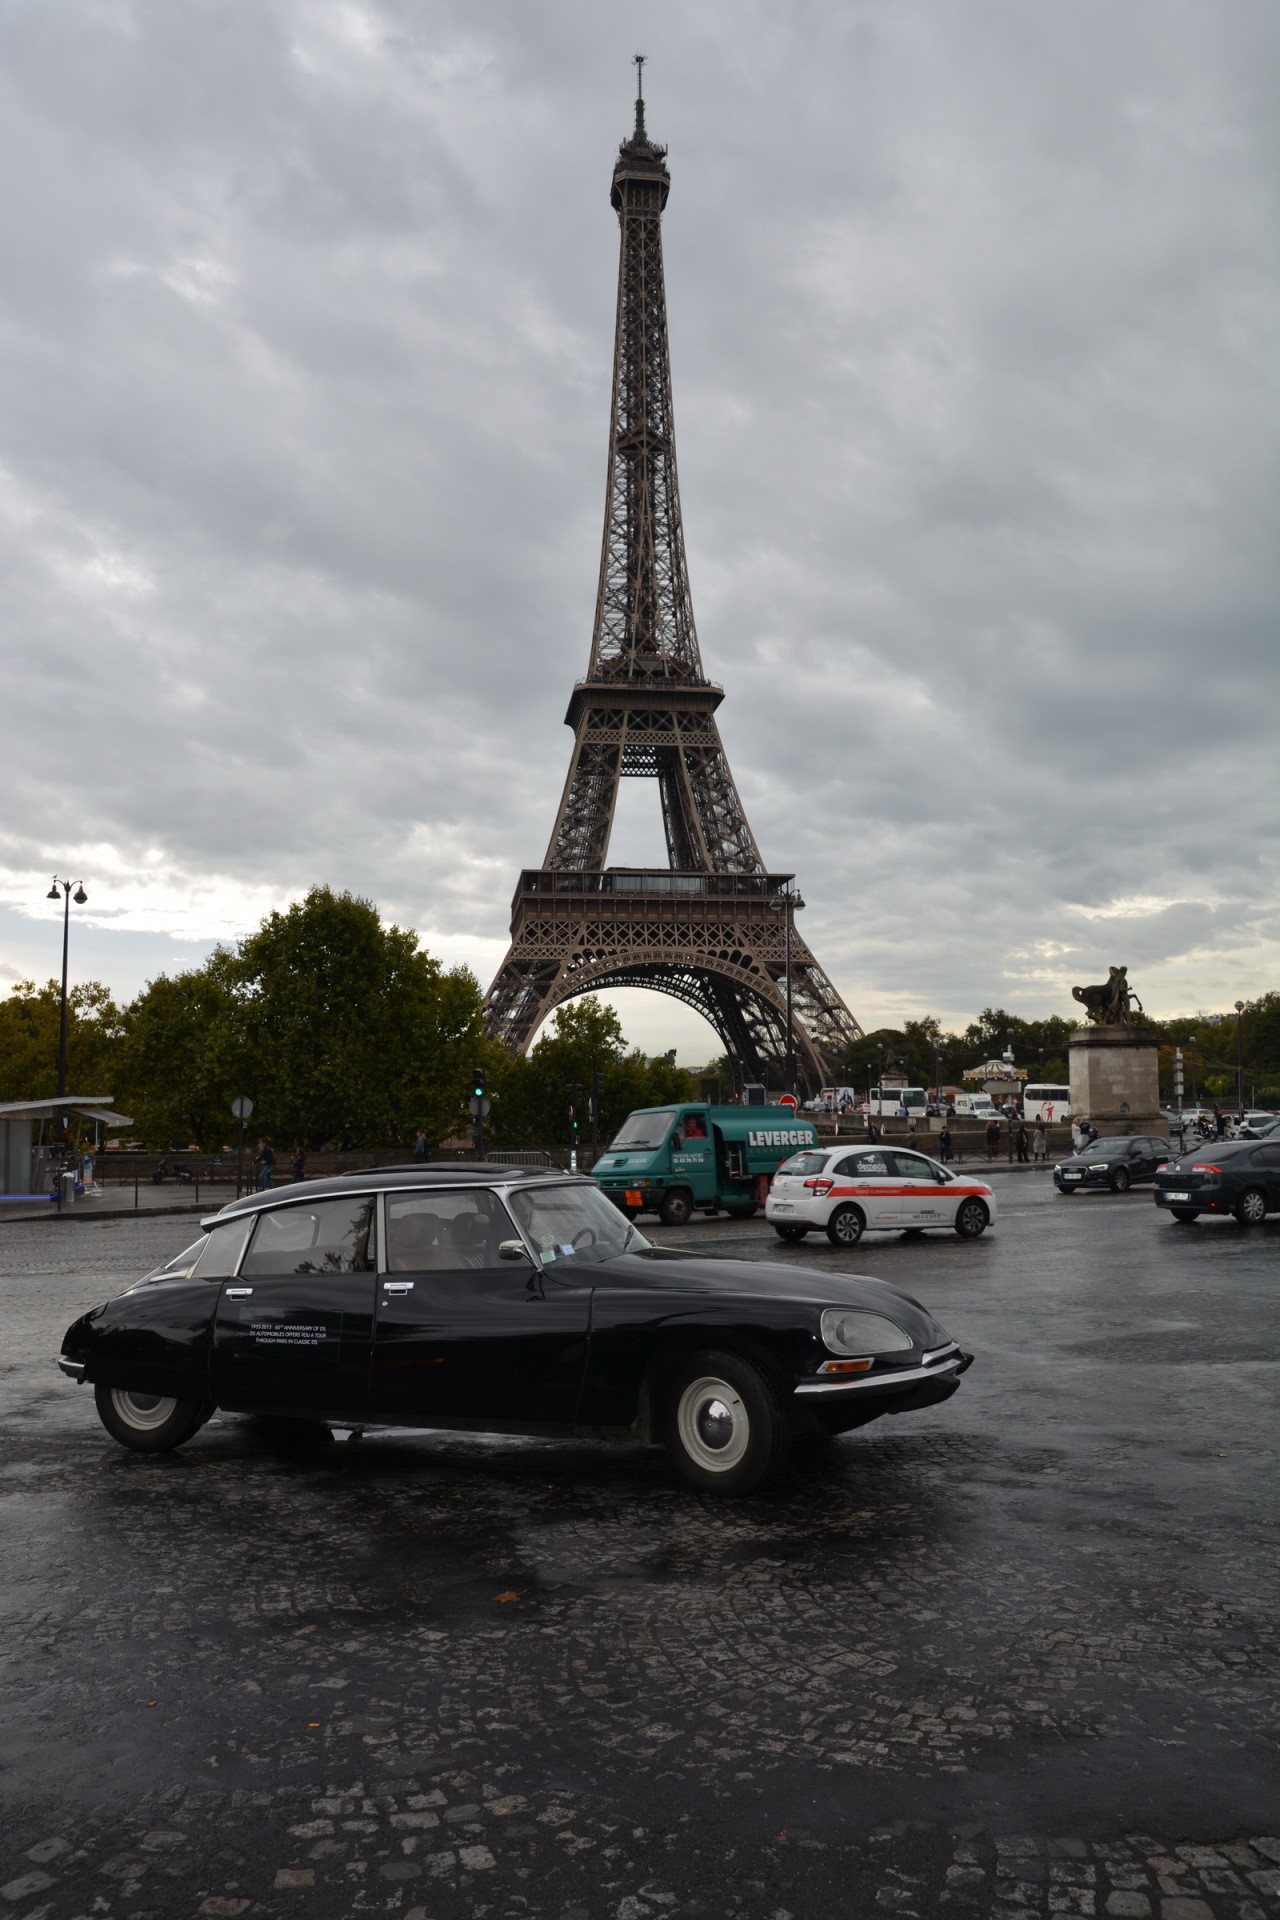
{"x": 512, "y": 1250}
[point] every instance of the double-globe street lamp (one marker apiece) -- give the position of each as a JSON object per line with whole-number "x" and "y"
{"x": 62, "y": 888}
{"x": 788, "y": 902}
{"x": 1239, "y": 1063}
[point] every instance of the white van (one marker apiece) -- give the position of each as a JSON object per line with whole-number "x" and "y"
{"x": 976, "y": 1106}
{"x": 1046, "y": 1103}
{"x": 903, "y": 1101}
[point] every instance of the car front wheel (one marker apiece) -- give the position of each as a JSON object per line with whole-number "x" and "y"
{"x": 724, "y": 1424}
{"x": 845, "y": 1227}
{"x": 1251, "y": 1208}
{"x": 676, "y": 1210}
{"x": 787, "y": 1230}
{"x": 147, "y": 1422}
{"x": 971, "y": 1219}
{"x": 1120, "y": 1180}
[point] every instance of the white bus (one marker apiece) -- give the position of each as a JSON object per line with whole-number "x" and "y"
{"x": 898, "y": 1100}
{"x": 1046, "y": 1103}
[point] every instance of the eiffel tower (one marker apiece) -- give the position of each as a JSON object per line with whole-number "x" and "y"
{"x": 712, "y": 928}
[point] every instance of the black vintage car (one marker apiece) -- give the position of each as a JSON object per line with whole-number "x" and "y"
{"x": 1223, "y": 1176}
{"x": 1115, "y": 1164}
{"x": 501, "y": 1300}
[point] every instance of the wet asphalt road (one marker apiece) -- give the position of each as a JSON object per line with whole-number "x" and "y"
{"x": 1013, "y": 1655}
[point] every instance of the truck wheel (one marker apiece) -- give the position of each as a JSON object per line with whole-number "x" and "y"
{"x": 147, "y": 1422}
{"x": 845, "y": 1227}
{"x": 788, "y": 1230}
{"x": 676, "y": 1209}
{"x": 724, "y": 1424}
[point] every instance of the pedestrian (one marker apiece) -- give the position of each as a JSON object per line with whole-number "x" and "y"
{"x": 944, "y": 1144}
{"x": 1009, "y": 1134}
{"x": 419, "y": 1145}
{"x": 911, "y": 1131}
{"x": 1024, "y": 1144}
{"x": 299, "y": 1163}
{"x": 993, "y": 1138}
{"x": 1077, "y": 1135}
{"x": 1039, "y": 1144}
{"x": 1219, "y": 1121}
{"x": 266, "y": 1165}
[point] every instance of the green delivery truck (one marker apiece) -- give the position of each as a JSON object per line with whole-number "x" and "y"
{"x": 674, "y": 1160}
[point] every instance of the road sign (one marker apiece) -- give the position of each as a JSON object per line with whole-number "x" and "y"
{"x": 242, "y": 1106}
{"x": 788, "y": 1100}
{"x": 479, "y": 1108}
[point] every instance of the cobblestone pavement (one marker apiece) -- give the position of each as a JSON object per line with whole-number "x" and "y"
{"x": 1012, "y": 1656}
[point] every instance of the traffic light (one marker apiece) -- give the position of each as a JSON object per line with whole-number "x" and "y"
{"x": 575, "y": 1100}
{"x": 597, "y": 1090}
{"x": 477, "y": 1083}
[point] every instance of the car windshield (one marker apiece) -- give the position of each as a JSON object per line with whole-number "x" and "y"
{"x": 574, "y": 1226}
{"x": 1105, "y": 1149}
{"x": 643, "y": 1130}
{"x": 804, "y": 1163}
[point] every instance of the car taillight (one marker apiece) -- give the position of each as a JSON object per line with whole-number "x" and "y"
{"x": 1202, "y": 1166}
{"x": 819, "y": 1186}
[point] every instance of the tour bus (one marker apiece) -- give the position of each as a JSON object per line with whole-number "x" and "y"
{"x": 897, "y": 1100}
{"x": 1046, "y": 1103}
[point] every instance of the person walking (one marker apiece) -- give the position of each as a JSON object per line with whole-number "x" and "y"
{"x": 911, "y": 1130}
{"x": 993, "y": 1138}
{"x": 944, "y": 1144}
{"x": 1219, "y": 1121}
{"x": 299, "y": 1169}
{"x": 266, "y": 1166}
{"x": 1010, "y": 1141}
{"x": 419, "y": 1145}
{"x": 1039, "y": 1144}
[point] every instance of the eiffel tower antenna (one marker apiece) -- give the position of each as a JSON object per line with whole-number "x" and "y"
{"x": 712, "y": 928}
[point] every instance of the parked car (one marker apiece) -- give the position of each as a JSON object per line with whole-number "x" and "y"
{"x": 847, "y": 1193}
{"x": 506, "y": 1300}
{"x": 1223, "y": 1176}
{"x": 1116, "y": 1164}
{"x": 1256, "y": 1125}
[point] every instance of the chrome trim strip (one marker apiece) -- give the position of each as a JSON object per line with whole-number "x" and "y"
{"x": 952, "y": 1346}
{"x": 910, "y": 1378}
{"x": 74, "y": 1369}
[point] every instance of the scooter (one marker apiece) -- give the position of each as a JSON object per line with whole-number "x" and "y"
{"x": 178, "y": 1171}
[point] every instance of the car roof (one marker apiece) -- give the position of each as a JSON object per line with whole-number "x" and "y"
{"x": 391, "y": 1180}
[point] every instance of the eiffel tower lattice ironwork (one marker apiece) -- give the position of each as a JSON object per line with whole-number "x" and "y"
{"x": 711, "y": 928}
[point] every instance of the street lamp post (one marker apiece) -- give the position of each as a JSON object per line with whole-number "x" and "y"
{"x": 787, "y": 902}
{"x": 1239, "y": 1064}
{"x": 62, "y": 888}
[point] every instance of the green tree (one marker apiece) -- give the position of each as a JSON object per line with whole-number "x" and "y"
{"x": 531, "y": 1104}
{"x": 29, "y": 1017}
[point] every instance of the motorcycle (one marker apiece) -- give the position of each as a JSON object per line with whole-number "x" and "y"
{"x": 178, "y": 1171}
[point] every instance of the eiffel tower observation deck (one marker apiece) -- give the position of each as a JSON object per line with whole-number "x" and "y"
{"x": 712, "y": 928}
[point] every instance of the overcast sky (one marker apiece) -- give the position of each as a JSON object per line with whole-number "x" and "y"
{"x": 307, "y": 331}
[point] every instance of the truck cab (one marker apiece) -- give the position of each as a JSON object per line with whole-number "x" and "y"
{"x": 679, "y": 1159}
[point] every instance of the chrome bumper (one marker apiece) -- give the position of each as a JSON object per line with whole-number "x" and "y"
{"x": 939, "y": 1365}
{"x": 74, "y": 1369}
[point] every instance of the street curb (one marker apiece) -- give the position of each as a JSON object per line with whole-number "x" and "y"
{"x": 113, "y": 1213}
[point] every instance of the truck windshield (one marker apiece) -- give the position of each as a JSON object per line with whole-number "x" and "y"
{"x": 643, "y": 1130}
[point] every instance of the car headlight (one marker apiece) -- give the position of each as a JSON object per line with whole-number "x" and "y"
{"x": 846, "y": 1332}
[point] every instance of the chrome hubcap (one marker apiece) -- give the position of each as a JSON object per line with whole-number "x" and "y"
{"x": 144, "y": 1412}
{"x": 713, "y": 1424}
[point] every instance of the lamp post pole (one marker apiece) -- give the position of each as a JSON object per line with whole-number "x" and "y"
{"x": 62, "y": 888}
{"x": 1239, "y": 1064}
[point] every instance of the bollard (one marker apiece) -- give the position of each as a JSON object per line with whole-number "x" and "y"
{"x": 135, "y": 1189}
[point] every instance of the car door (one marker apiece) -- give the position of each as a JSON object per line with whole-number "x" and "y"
{"x": 1157, "y": 1156}
{"x": 1265, "y": 1161}
{"x": 869, "y": 1178}
{"x": 922, "y": 1192}
{"x": 293, "y": 1330}
{"x": 465, "y": 1334}
{"x": 693, "y": 1155}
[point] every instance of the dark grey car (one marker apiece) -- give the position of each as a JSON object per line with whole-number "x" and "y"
{"x": 1115, "y": 1165}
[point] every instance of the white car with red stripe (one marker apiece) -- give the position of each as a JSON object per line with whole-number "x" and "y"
{"x": 848, "y": 1191}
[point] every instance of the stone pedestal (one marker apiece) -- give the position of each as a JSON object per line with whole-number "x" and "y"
{"x": 1115, "y": 1079}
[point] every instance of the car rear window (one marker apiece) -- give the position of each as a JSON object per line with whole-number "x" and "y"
{"x": 804, "y": 1163}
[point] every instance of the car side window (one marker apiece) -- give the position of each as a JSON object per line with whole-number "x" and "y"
{"x": 445, "y": 1232}
{"x": 869, "y": 1165}
{"x": 845, "y": 1168}
{"x": 325, "y": 1236}
{"x": 913, "y": 1166}
{"x": 1266, "y": 1157}
{"x": 222, "y": 1250}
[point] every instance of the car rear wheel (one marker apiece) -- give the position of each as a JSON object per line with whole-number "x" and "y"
{"x": 845, "y": 1227}
{"x": 971, "y": 1219}
{"x": 147, "y": 1422}
{"x": 787, "y": 1230}
{"x": 1185, "y": 1213}
{"x": 724, "y": 1424}
{"x": 676, "y": 1210}
{"x": 1120, "y": 1182}
{"x": 1251, "y": 1208}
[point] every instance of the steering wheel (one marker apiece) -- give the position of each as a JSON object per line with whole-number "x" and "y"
{"x": 585, "y": 1237}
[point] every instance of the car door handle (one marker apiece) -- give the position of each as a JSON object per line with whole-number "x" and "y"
{"x": 397, "y": 1286}
{"x": 239, "y": 1293}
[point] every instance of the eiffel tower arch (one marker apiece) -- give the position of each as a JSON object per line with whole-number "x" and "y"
{"x": 709, "y": 928}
